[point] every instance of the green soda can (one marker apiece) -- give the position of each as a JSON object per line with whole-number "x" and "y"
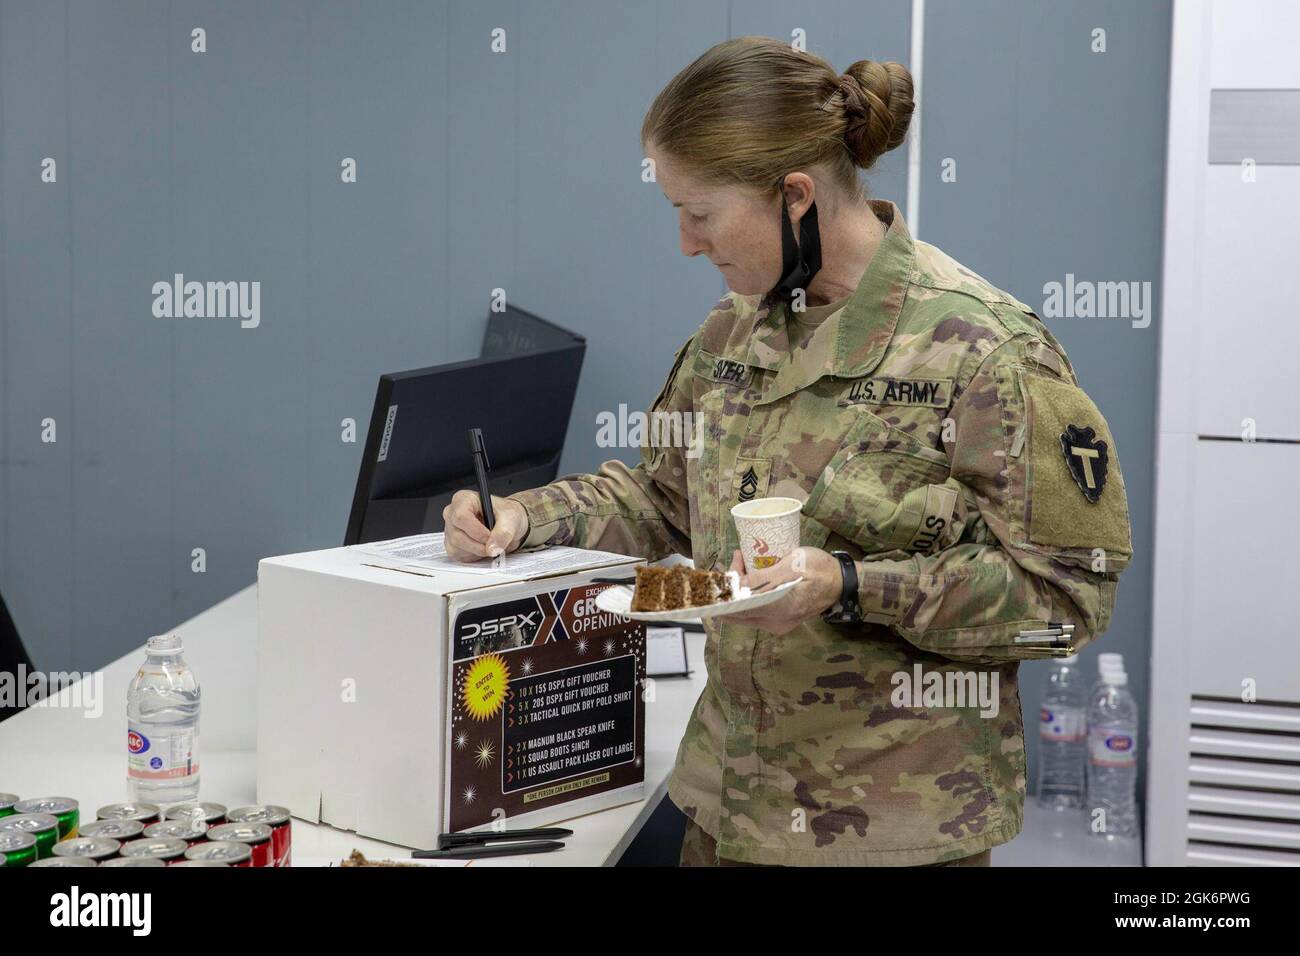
{"x": 66, "y": 810}
{"x": 43, "y": 826}
{"x": 7, "y": 801}
{"x": 17, "y": 848}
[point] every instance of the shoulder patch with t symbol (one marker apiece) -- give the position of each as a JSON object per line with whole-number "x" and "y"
{"x": 1087, "y": 458}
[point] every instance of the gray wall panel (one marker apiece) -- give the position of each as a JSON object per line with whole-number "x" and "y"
{"x": 590, "y": 231}
{"x": 120, "y": 355}
{"x": 480, "y": 184}
{"x": 239, "y": 203}
{"x": 37, "y": 264}
{"x": 378, "y": 273}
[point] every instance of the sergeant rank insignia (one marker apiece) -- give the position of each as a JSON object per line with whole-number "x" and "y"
{"x": 1087, "y": 458}
{"x": 748, "y": 485}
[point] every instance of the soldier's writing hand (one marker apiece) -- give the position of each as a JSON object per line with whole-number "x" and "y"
{"x": 468, "y": 538}
{"x": 819, "y": 589}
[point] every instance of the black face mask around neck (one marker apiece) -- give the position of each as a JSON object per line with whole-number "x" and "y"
{"x": 801, "y": 260}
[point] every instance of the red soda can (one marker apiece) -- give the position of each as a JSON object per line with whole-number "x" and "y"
{"x": 167, "y": 849}
{"x": 187, "y": 829}
{"x": 278, "y": 819}
{"x": 220, "y": 853}
{"x": 210, "y": 814}
{"x": 134, "y": 861}
{"x": 124, "y": 829}
{"x": 256, "y": 835}
{"x": 146, "y": 813}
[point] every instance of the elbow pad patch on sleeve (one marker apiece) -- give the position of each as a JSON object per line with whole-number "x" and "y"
{"x": 1074, "y": 492}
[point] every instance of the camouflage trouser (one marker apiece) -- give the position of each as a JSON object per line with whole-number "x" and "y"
{"x": 700, "y": 849}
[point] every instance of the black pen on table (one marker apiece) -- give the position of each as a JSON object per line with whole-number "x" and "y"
{"x": 478, "y": 451}
{"x": 482, "y": 851}
{"x": 447, "y": 841}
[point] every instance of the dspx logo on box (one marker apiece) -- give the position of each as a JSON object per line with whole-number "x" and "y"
{"x": 549, "y": 616}
{"x": 500, "y": 627}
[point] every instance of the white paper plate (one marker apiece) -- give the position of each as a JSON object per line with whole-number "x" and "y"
{"x": 618, "y": 600}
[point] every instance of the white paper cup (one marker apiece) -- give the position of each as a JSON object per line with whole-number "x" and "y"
{"x": 768, "y": 529}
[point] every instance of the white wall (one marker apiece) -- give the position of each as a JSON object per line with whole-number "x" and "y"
{"x": 1225, "y": 772}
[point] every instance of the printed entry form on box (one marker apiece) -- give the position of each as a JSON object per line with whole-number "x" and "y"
{"x": 427, "y": 553}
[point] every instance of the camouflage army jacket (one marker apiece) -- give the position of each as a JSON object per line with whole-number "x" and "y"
{"x": 934, "y": 429}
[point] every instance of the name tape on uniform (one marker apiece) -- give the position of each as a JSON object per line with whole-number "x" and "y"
{"x": 729, "y": 372}
{"x": 932, "y": 392}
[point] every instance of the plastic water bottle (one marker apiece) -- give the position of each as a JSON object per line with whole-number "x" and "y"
{"x": 1110, "y": 661}
{"x": 1105, "y": 663}
{"x": 1062, "y": 736}
{"x": 1112, "y": 756}
{"x": 162, "y": 727}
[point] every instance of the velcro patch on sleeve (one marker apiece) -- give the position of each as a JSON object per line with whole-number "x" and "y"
{"x": 936, "y": 523}
{"x": 1075, "y": 492}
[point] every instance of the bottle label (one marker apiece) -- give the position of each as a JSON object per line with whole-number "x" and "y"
{"x": 162, "y": 756}
{"x": 1110, "y": 748}
{"x": 1061, "y": 724}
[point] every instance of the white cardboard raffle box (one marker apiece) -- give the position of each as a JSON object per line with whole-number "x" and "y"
{"x": 401, "y": 705}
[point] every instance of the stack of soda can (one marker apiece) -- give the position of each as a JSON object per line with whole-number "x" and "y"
{"x": 31, "y": 829}
{"x": 47, "y": 831}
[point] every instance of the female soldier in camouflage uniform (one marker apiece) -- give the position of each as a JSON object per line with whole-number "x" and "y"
{"x": 935, "y": 432}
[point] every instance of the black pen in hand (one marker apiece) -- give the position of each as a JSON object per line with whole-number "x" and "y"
{"x": 478, "y": 451}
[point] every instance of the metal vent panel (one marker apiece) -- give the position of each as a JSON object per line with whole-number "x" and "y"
{"x": 1243, "y": 771}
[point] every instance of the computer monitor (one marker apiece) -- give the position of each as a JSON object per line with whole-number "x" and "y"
{"x": 417, "y": 455}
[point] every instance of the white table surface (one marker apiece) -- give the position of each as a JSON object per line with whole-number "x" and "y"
{"x": 1062, "y": 838}
{"x": 68, "y": 751}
